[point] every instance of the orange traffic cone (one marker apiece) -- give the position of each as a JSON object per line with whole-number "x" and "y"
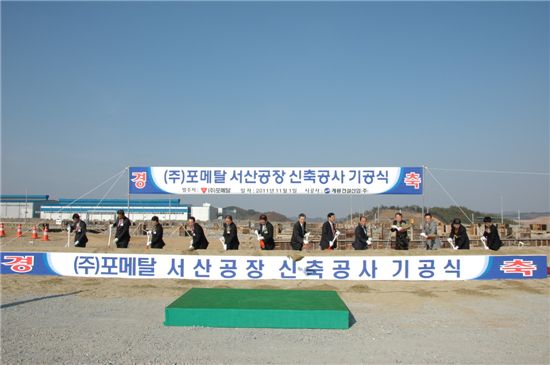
{"x": 34, "y": 233}
{"x": 19, "y": 231}
{"x": 45, "y": 236}
{"x": 2, "y": 232}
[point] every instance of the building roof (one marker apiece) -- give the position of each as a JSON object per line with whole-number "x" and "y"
{"x": 112, "y": 210}
{"x": 112, "y": 205}
{"x": 120, "y": 202}
{"x": 22, "y": 198}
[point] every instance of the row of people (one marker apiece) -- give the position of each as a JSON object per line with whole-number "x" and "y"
{"x": 458, "y": 238}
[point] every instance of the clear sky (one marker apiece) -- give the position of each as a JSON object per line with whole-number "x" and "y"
{"x": 89, "y": 88}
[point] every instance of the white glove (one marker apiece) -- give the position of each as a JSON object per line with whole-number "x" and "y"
{"x": 484, "y": 241}
{"x": 395, "y": 227}
{"x": 424, "y": 235}
{"x": 224, "y": 247}
{"x": 259, "y": 236}
{"x": 369, "y": 241}
{"x": 450, "y": 240}
{"x": 191, "y": 247}
{"x": 331, "y": 243}
{"x": 116, "y": 240}
{"x": 76, "y": 243}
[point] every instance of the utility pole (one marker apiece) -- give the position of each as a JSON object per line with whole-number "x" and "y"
{"x": 501, "y": 210}
{"x": 128, "y": 182}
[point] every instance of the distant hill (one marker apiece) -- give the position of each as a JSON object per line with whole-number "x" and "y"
{"x": 251, "y": 214}
{"x": 443, "y": 214}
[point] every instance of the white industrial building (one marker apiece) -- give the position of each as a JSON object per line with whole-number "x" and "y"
{"x": 21, "y": 206}
{"x": 105, "y": 210}
{"x": 204, "y": 213}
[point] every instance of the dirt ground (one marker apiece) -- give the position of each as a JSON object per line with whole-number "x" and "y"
{"x": 52, "y": 320}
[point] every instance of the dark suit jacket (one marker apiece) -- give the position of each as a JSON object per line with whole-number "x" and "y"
{"x": 199, "y": 239}
{"x": 122, "y": 231}
{"x": 156, "y": 239}
{"x": 80, "y": 236}
{"x": 297, "y": 239}
{"x": 361, "y": 238}
{"x": 327, "y": 235}
{"x": 267, "y": 233}
{"x": 230, "y": 235}
{"x": 493, "y": 239}
{"x": 461, "y": 238}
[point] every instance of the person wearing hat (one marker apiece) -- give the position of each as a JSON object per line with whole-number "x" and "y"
{"x": 400, "y": 227}
{"x": 230, "y": 237}
{"x": 300, "y": 235}
{"x": 459, "y": 236}
{"x": 79, "y": 227}
{"x": 490, "y": 237}
{"x": 265, "y": 233}
{"x": 122, "y": 225}
{"x": 429, "y": 233}
{"x": 156, "y": 233}
{"x": 199, "y": 238}
{"x": 362, "y": 240}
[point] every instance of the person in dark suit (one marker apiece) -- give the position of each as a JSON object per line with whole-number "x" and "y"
{"x": 199, "y": 238}
{"x": 328, "y": 233}
{"x": 79, "y": 227}
{"x": 400, "y": 227}
{"x": 265, "y": 233}
{"x": 156, "y": 233}
{"x": 459, "y": 236}
{"x": 362, "y": 240}
{"x": 122, "y": 225}
{"x": 299, "y": 233}
{"x": 491, "y": 236}
{"x": 231, "y": 239}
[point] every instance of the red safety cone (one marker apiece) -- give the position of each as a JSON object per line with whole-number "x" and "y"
{"x": 2, "y": 232}
{"x": 19, "y": 231}
{"x": 34, "y": 233}
{"x": 45, "y": 236}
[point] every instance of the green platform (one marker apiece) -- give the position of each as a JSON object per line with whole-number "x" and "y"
{"x": 251, "y": 308}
